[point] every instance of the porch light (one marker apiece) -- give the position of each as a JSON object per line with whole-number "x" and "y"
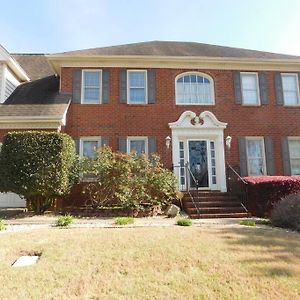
{"x": 228, "y": 142}
{"x": 168, "y": 142}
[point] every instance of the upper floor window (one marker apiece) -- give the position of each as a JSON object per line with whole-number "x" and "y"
{"x": 294, "y": 149}
{"x": 290, "y": 87}
{"x": 194, "y": 88}
{"x": 137, "y": 87}
{"x": 91, "y": 86}
{"x": 250, "y": 92}
{"x": 256, "y": 161}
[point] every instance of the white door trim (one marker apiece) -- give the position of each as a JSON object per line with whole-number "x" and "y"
{"x": 206, "y": 126}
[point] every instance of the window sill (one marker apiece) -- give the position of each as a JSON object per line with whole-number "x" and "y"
{"x": 291, "y": 105}
{"x": 251, "y": 105}
{"x": 196, "y": 104}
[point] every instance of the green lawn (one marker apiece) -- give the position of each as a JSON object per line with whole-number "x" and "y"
{"x": 152, "y": 263}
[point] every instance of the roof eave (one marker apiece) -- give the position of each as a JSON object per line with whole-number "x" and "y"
{"x": 57, "y": 61}
{"x": 13, "y": 64}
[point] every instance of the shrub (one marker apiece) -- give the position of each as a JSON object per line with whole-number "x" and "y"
{"x": 124, "y": 220}
{"x": 265, "y": 191}
{"x": 64, "y": 221}
{"x": 40, "y": 166}
{"x": 128, "y": 180}
{"x": 286, "y": 213}
{"x": 2, "y": 225}
{"x": 184, "y": 222}
{"x": 248, "y": 222}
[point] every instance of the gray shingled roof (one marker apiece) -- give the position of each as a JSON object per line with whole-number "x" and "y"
{"x": 165, "y": 48}
{"x": 33, "y": 110}
{"x": 35, "y": 65}
{"x": 36, "y": 98}
{"x": 41, "y": 91}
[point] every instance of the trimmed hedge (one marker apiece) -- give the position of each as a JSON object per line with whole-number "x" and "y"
{"x": 38, "y": 165}
{"x": 264, "y": 192}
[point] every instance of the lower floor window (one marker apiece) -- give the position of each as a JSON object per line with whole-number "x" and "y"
{"x": 294, "y": 148}
{"x": 89, "y": 147}
{"x": 138, "y": 145}
{"x": 256, "y": 156}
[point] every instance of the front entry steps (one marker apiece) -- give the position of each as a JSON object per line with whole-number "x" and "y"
{"x": 208, "y": 205}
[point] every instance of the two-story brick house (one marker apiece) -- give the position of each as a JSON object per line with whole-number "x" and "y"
{"x": 194, "y": 96}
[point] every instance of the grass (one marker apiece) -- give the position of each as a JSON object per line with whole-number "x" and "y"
{"x": 124, "y": 220}
{"x": 64, "y": 221}
{"x": 152, "y": 263}
{"x": 184, "y": 222}
{"x": 2, "y": 225}
{"x": 248, "y": 223}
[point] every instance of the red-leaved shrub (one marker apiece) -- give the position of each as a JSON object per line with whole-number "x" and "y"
{"x": 265, "y": 191}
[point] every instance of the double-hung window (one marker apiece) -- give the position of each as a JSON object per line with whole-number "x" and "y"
{"x": 290, "y": 87}
{"x": 137, "y": 86}
{"x": 250, "y": 88}
{"x": 256, "y": 161}
{"x": 138, "y": 145}
{"x": 89, "y": 146}
{"x": 91, "y": 86}
{"x": 294, "y": 149}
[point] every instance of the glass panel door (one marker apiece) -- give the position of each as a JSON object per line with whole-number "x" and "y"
{"x": 198, "y": 163}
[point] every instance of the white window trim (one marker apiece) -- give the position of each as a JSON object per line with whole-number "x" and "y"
{"x": 88, "y": 139}
{"x": 297, "y": 84}
{"x": 256, "y": 138}
{"x": 292, "y": 138}
{"x": 257, "y": 90}
{"x": 212, "y": 90}
{"x": 146, "y": 87}
{"x": 83, "y": 84}
{"x": 137, "y": 138}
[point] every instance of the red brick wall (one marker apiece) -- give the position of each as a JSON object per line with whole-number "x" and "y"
{"x": 116, "y": 119}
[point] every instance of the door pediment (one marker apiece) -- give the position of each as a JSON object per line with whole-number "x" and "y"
{"x": 189, "y": 119}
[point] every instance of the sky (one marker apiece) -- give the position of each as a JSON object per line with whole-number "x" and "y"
{"x": 51, "y": 26}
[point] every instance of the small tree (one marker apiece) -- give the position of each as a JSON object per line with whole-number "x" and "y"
{"x": 40, "y": 166}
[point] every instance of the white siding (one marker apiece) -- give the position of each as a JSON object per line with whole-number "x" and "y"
{"x": 9, "y": 88}
{"x": 10, "y": 83}
{"x": 11, "y": 200}
{"x": 1, "y": 83}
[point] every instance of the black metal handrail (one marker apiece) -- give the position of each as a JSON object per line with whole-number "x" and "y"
{"x": 237, "y": 186}
{"x": 186, "y": 186}
{"x": 189, "y": 171}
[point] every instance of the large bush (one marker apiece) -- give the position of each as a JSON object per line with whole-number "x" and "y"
{"x": 128, "y": 180}
{"x": 40, "y": 166}
{"x": 286, "y": 213}
{"x": 265, "y": 192}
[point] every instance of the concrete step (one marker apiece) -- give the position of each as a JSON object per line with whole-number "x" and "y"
{"x": 223, "y": 215}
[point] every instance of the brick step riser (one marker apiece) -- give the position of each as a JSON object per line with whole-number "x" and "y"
{"x": 207, "y": 194}
{"x": 211, "y": 204}
{"x": 215, "y": 216}
{"x": 215, "y": 210}
{"x": 212, "y": 199}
